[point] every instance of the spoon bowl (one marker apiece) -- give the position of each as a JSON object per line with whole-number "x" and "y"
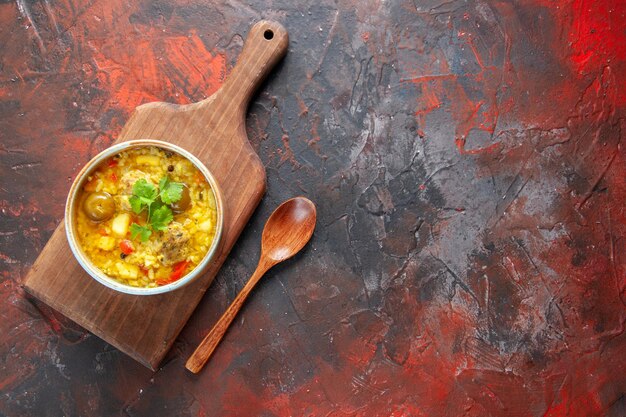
{"x": 288, "y": 229}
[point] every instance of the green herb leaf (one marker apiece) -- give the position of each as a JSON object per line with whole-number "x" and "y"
{"x": 146, "y": 195}
{"x": 144, "y": 190}
{"x": 156, "y": 205}
{"x": 161, "y": 217}
{"x": 142, "y": 231}
{"x": 164, "y": 182}
{"x": 136, "y": 204}
{"x": 170, "y": 192}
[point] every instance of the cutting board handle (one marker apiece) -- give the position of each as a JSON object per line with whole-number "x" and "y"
{"x": 265, "y": 45}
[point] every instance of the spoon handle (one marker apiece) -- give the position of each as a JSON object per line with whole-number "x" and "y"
{"x": 206, "y": 348}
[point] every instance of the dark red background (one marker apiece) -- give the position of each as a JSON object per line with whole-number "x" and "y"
{"x": 467, "y": 162}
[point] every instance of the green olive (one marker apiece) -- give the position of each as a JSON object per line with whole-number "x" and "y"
{"x": 184, "y": 202}
{"x": 99, "y": 206}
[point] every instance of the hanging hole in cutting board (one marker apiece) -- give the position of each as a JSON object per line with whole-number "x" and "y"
{"x": 268, "y": 34}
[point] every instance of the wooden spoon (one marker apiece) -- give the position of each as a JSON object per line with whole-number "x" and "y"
{"x": 287, "y": 230}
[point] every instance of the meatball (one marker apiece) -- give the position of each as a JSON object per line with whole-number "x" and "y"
{"x": 174, "y": 247}
{"x": 129, "y": 179}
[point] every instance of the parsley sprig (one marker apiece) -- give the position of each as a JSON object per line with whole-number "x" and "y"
{"x": 147, "y": 197}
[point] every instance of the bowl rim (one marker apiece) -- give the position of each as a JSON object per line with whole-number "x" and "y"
{"x": 97, "y": 274}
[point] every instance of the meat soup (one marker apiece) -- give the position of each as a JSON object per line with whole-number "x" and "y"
{"x": 146, "y": 217}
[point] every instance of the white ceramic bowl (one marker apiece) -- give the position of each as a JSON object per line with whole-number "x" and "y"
{"x": 71, "y": 207}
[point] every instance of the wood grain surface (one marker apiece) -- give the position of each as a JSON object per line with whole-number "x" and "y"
{"x": 145, "y": 327}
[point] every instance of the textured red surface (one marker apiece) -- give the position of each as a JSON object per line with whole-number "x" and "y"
{"x": 468, "y": 165}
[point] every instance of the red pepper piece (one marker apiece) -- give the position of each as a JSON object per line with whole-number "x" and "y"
{"x": 127, "y": 247}
{"x": 177, "y": 273}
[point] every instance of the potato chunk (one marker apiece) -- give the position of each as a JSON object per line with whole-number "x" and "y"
{"x": 106, "y": 243}
{"x": 127, "y": 271}
{"x": 148, "y": 160}
{"x": 206, "y": 226}
{"x": 120, "y": 224}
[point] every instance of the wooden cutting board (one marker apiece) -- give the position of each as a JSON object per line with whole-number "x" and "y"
{"x": 145, "y": 327}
